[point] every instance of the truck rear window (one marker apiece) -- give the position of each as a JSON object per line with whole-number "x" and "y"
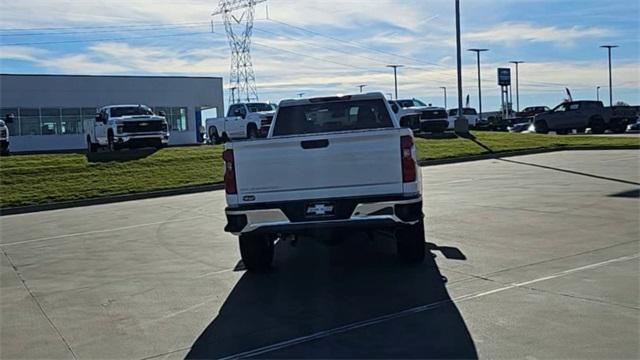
{"x": 332, "y": 117}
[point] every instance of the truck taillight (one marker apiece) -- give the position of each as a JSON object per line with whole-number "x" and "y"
{"x": 408, "y": 162}
{"x": 229, "y": 172}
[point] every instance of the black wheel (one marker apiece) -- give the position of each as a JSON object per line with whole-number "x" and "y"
{"x": 91, "y": 147}
{"x": 213, "y": 135}
{"x": 252, "y": 132}
{"x": 597, "y": 126}
{"x": 562, "y": 132}
{"x": 541, "y": 127}
{"x": 410, "y": 243}
{"x": 224, "y": 138}
{"x": 256, "y": 251}
{"x": 111, "y": 144}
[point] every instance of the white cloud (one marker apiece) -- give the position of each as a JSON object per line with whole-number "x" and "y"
{"x": 24, "y": 53}
{"x": 523, "y": 31}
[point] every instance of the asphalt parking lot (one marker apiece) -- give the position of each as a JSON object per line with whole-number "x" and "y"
{"x": 531, "y": 256}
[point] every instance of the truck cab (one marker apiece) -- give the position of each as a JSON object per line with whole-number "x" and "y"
{"x": 243, "y": 121}
{"x": 126, "y": 126}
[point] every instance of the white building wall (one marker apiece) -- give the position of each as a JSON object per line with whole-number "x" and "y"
{"x": 80, "y": 91}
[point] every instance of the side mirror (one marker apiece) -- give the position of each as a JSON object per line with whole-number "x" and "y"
{"x": 162, "y": 113}
{"x": 9, "y": 118}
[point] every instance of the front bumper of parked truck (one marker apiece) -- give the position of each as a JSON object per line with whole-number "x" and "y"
{"x": 294, "y": 216}
{"x": 149, "y": 139}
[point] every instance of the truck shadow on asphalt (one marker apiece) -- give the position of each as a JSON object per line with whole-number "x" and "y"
{"x": 345, "y": 301}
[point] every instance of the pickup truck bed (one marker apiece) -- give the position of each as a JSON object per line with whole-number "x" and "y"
{"x": 328, "y": 164}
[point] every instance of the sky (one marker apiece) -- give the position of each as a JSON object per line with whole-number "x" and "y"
{"x": 327, "y": 47}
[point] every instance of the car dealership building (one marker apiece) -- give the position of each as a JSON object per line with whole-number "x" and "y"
{"x": 49, "y": 109}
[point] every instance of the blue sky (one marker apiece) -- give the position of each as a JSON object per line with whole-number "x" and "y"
{"x": 324, "y": 47}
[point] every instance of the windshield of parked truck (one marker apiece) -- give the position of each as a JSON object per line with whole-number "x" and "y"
{"x": 465, "y": 111}
{"x": 130, "y": 111}
{"x": 259, "y": 107}
{"x": 332, "y": 117}
{"x": 410, "y": 103}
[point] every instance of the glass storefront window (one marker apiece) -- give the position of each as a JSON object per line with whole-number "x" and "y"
{"x": 50, "y": 121}
{"x": 176, "y": 117}
{"x": 71, "y": 122}
{"x": 29, "y": 121}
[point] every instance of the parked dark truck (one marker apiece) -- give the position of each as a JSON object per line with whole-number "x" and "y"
{"x": 584, "y": 114}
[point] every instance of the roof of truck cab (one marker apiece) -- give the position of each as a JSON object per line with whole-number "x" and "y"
{"x": 340, "y": 97}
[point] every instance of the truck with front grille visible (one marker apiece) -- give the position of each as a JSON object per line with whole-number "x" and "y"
{"x": 126, "y": 126}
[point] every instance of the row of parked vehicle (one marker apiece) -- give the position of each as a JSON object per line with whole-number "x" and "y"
{"x": 577, "y": 115}
{"x": 252, "y": 120}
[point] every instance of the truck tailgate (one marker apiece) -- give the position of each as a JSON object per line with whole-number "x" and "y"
{"x": 319, "y": 166}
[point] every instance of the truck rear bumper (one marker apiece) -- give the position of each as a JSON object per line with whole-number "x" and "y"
{"x": 293, "y": 217}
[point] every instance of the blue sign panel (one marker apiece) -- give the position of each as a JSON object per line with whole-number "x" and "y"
{"x": 504, "y": 76}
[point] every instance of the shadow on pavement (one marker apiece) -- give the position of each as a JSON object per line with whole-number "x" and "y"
{"x": 634, "y": 194}
{"x": 571, "y": 172}
{"x": 319, "y": 302}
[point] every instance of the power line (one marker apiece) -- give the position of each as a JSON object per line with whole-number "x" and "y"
{"x": 155, "y": 28}
{"x": 103, "y": 39}
{"x": 96, "y": 27}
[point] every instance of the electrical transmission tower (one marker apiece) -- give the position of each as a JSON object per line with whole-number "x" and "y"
{"x": 238, "y": 24}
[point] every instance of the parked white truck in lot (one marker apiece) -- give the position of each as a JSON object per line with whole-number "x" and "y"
{"x": 328, "y": 164}
{"x": 126, "y": 126}
{"x": 243, "y": 121}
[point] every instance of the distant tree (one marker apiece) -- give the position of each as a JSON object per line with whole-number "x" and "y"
{"x": 621, "y": 103}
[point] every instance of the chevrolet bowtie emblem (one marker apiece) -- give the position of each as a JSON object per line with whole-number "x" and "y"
{"x": 320, "y": 209}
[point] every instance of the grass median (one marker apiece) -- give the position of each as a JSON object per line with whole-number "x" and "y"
{"x": 36, "y": 179}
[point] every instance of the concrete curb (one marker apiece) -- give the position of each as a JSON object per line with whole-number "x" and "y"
{"x": 110, "y": 199}
{"x": 211, "y": 187}
{"x": 501, "y": 154}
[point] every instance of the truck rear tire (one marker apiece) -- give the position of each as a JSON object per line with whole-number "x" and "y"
{"x": 256, "y": 251}
{"x": 91, "y": 147}
{"x": 252, "y": 132}
{"x": 597, "y": 126}
{"x": 111, "y": 144}
{"x": 541, "y": 127}
{"x": 410, "y": 243}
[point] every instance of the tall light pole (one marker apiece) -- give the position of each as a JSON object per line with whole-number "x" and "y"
{"x": 609, "y": 47}
{"x": 460, "y": 125}
{"x": 598, "y": 93}
{"x": 361, "y": 86}
{"x": 444, "y": 88}
{"x": 517, "y": 87}
{"x": 478, "y": 51}
{"x": 395, "y": 76}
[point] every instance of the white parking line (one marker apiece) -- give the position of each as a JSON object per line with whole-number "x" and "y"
{"x": 99, "y": 231}
{"x": 415, "y": 310}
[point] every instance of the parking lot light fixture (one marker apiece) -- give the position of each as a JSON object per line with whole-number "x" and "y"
{"x": 517, "y": 86}
{"x": 609, "y": 47}
{"x": 478, "y": 51}
{"x": 361, "y": 87}
{"x": 395, "y": 77}
{"x": 444, "y": 88}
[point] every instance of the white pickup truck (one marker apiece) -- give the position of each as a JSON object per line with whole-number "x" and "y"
{"x": 243, "y": 121}
{"x": 328, "y": 165}
{"x": 126, "y": 126}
